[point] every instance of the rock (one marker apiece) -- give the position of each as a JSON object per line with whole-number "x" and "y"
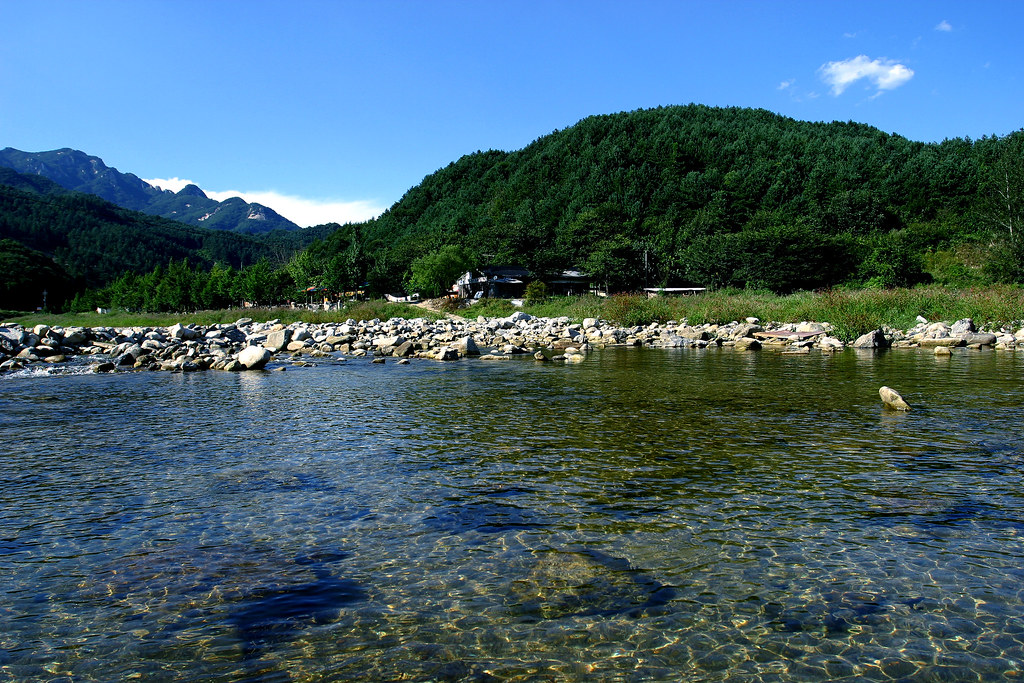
{"x": 520, "y": 316}
{"x": 746, "y": 330}
{"x": 692, "y": 333}
{"x": 962, "y": 327}
{"x": 378, "y": 361}
{"x": 277, "y": 340}
{"x": 540, "y": 356}
{"x": 589, "y": 323}
{"x": 467, "y": 347}
{"x": 388, "y": 342}
{"x": 253, "y": 357}
{"x": 103, "y": 367}
{"x": 831, "y": 344}
{"x": 943, "y": 351}
{"x": 404, "y": 349}
{"x": 892, "y": 400}
{"x": 941, "y": 342}
{"x": 983, "y": 339}
{"x": 923, "y": 320}
{"x": 125, "y": 359}
{"x": 872, "y": 340}
{"x": 179, "y": 331}
{"x": 446, "y": 353}
{"x": 746, "y": 344}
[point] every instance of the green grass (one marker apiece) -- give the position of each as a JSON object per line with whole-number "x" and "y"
{"x": 362, "y": 310}
{"x": 851, "y": 312}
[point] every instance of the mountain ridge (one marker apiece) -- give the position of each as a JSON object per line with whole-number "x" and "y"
{"x": 80, "y": 172}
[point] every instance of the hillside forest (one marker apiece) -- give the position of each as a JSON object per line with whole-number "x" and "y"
{"x": 674, "y": 196}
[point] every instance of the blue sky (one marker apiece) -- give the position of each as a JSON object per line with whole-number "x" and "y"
{"x": 332, "y": 110}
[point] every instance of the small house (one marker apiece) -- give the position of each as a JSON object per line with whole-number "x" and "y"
{"x": 493, "y": 282}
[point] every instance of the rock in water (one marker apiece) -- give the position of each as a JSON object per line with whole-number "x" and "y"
{"x": 872, "y": 340}
{"x": 467, "y": 346}
{"x": 253, "y": 357}
{"x": 892, "y": 400}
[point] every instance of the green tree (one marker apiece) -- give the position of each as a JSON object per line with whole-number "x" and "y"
{"x": 434, "y": 274}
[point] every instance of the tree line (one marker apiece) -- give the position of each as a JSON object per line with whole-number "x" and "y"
{"x": 672, "y": 196}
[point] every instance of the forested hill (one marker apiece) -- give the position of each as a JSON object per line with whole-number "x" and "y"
{"x": 67, "y": 241}
{"x": 78, "y": 171}
{"x": 696, "y": 195}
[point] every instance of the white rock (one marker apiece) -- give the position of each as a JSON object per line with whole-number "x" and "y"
{"x": 253, "y": 357}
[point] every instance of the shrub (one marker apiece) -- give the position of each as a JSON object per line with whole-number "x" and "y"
{"x": 536, "y": 292}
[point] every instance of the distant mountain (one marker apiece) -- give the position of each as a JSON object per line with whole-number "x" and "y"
{"x": 77, "y": 171}
{"x": 64, "y": 242}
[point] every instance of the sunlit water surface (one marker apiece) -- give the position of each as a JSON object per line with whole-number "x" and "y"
{"x": 644, "y": 515}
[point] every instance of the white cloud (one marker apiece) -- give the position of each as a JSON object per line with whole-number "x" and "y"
{"x": 786, "y": 84}
{"x": 302, "y": 211}
{"x": 885, "y": 74}
{"x": 944, "y": 26}
{"x": 173, "y": 184}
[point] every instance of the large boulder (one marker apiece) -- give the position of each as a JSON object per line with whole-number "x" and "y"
{"x": 404, "y": 350}
{"x": 520, "y": 316}
{"x": 253, "y": 357}
{"x": 872, "y": 340}
{"x": 467, "y": 346}
{"x": 746, "y": 330}
{"x": 892, "y": 400}
{"x": 277, "y": 340}
{"x": 983, "y": 338}
{"x": 179, "y": 331}
{"x": 962, "y": 327}
{"x": 446, "y": 353}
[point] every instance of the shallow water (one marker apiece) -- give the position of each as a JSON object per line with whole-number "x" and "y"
{"x": 644, "y": 515}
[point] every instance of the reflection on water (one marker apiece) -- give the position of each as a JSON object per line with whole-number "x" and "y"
{"x": 645, "y": 515}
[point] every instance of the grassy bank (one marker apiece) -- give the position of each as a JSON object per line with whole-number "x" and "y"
{"x": 363, "y": 310}
{"x": 851, "y": 313}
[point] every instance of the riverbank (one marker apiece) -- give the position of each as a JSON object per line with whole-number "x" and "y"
{"x": 246, "y": 344}
{"x": 851, "y": 313}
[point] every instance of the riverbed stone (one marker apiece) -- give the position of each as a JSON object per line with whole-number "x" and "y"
{"x": 962, "y": 327}
{"x": 254, "y": 357}
{"x": 872, "y": 340}
{"x": 892, "y": 400}
{"x": 980, "y": 338}
{"x": 467, "y": 346}
{"x": 948, "y": 342}
{"x": 277, "y": 340}
{"x": 746, "y": 344}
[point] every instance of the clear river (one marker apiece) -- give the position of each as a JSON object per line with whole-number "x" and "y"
{"x": 646, "y": 515}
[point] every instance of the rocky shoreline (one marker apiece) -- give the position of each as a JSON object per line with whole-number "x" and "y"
{"x": 249, "y": 345}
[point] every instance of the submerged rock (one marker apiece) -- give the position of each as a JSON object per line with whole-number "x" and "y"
{"x": 254, "y": 357}
{"x": 872, "y": 340}
{"x": 892, "y": 400}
